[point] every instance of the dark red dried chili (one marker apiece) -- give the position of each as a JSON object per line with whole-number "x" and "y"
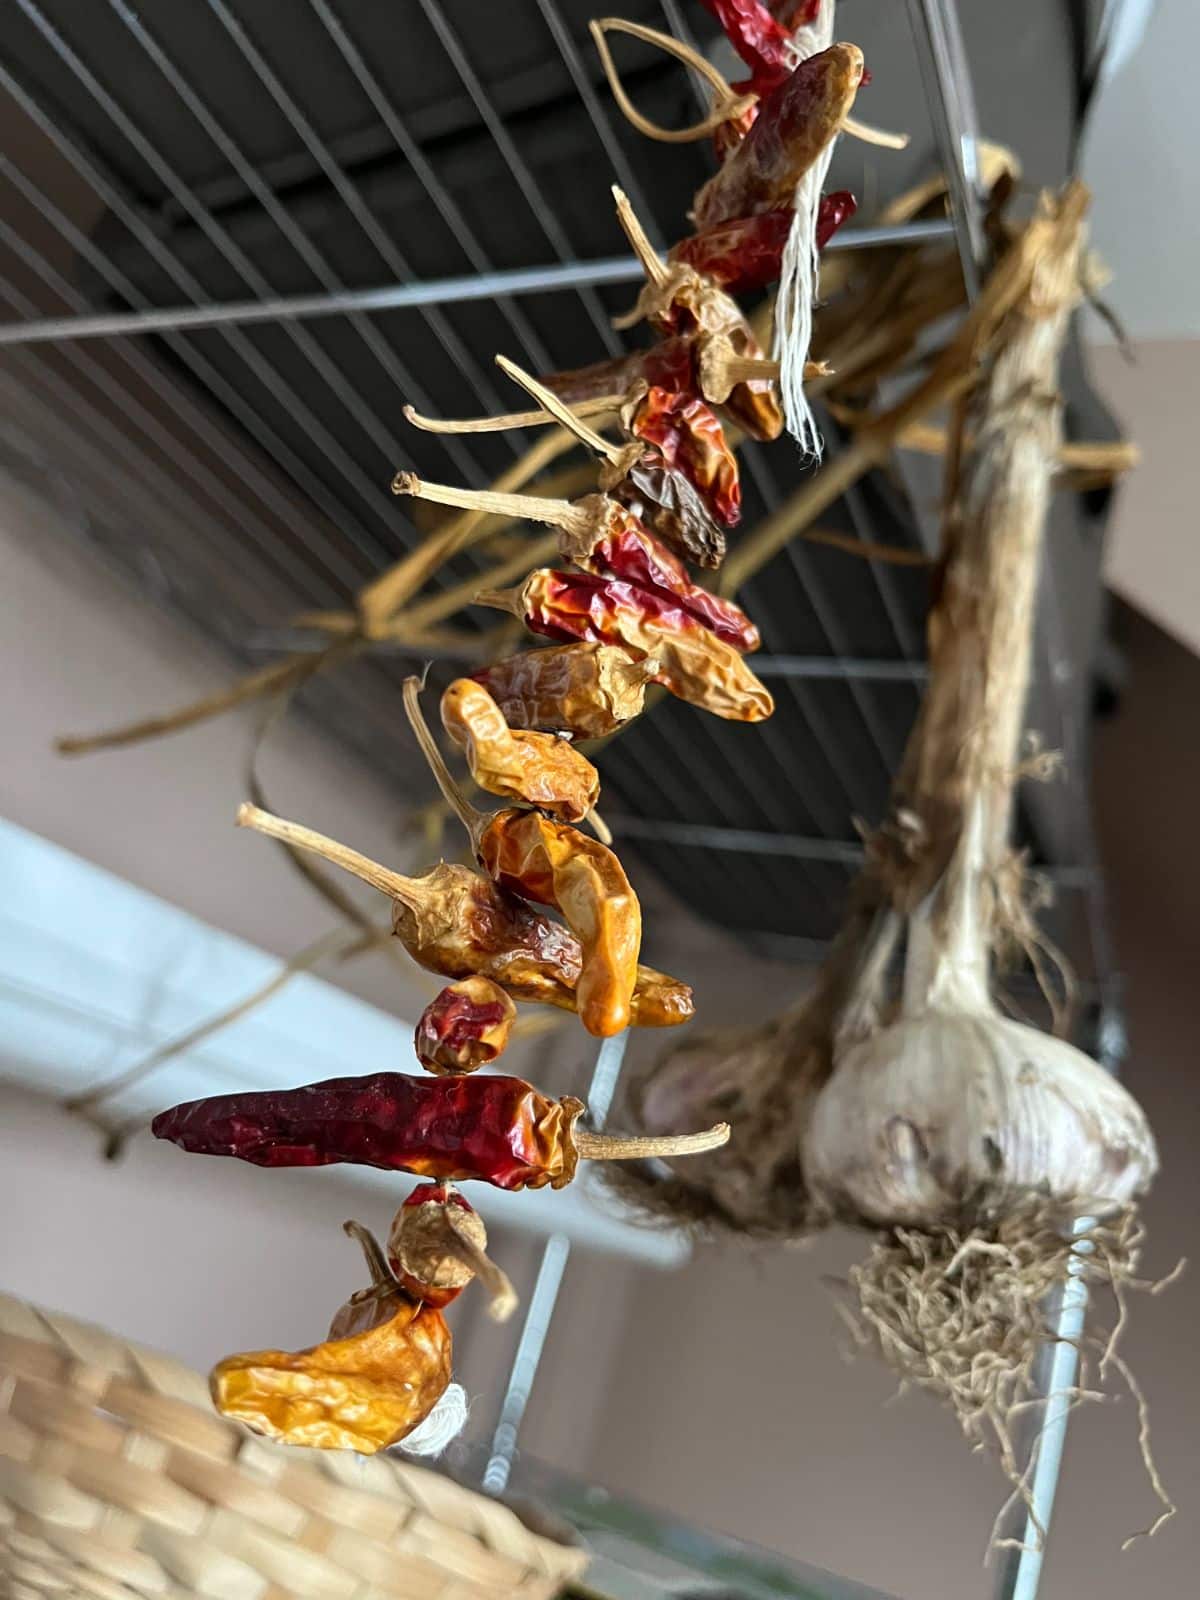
{"x": 747, "y": 253}
{"x": 490, "y": 1129}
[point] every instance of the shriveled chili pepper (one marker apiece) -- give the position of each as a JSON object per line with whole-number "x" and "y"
{"x": 489, "y": 1129}
{"x": 587, "y": 690}
{"x": 464, "y": 1027}
{"x": 606, "y": 538}
{"x": 438, "y": 1243}
{"x": 535, "y": 767}
{"x": 378, "y": 1375}
{"x": 692, "y": 441}
{"x": 683, "y": 477}
{"x": 457, "y": 922}
{"x": 539, "y": 859}
{"x": 693, "y": 663}
{"x": 747, "y": 253}
{"x": 764, "y": 44}
{"x": 795, "y": 122}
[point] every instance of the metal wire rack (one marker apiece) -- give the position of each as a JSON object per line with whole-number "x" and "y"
{"x": 228, "y": 249}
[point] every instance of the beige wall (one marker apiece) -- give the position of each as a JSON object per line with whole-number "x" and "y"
{"x": 1153, "y": 558}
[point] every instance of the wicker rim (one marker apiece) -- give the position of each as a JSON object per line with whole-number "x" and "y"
{"x": 117, "y": 1479}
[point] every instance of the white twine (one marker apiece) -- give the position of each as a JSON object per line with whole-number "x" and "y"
{"x": 800, "y": 266}
{"x": 443, "y": 1424}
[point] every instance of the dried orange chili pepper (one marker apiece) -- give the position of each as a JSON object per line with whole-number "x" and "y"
{"x": 457, "y": 923}
{"x": 538, "y": 768}
{"x": 376, "y": 1377}
{"x": 693, "y": 663}
{"x": 488, "y": 1128}
{"x": 540, "y": 859}
{"x": 587, "y": 690}
{"x": 464, "y": 1027}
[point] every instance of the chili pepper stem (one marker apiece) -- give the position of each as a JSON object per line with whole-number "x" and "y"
{"x": 612, "y": 1147}
{"x": 561, "y": 413}
{"x": 600, "y": 406}
{"x": 652, "y": 264}
{"x": 503, "y": 1299}
{"x": 407, "y": 890}
{"x": 726, "y": 103}
{"x": 473, "y": 821}
{"x": 530, "y": 507}
{"x": 382, "y": 1276}
{"x": 863, "y": 131}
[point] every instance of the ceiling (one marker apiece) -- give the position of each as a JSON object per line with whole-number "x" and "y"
{"x": 234, "y": 149}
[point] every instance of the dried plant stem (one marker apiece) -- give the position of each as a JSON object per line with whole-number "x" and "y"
{"x": 866, "y": 134}
{"x": 1102, "y": 460}
{"x": 473, "y": 820}
{"x": 381, "y": 598}
{"x": 530, "y": 507}
{"x": 727, "y": 103}
{"x": 337, "y": 942}
{"x": 614, "y": 1147}
{"x": 561, "y": 413}
{"x": 393, "y": 884}
{"x": 603, "y": 405}
{"x": 382, "y": 1276}
{"x": 534, "y": 554}
{"x": 652, "y": 263}
{"x": 286, "y": 674}
{"x": 502, "y": 1297}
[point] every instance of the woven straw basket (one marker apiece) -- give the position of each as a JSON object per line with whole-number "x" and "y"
{"x": 118, "y": 1480}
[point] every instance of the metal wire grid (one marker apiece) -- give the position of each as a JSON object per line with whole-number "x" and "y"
{"x": 309, "y": 537}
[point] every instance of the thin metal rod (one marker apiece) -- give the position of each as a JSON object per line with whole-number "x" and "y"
{"x": 398, "y": 296}
{"x": 526, "y": 1361}
{"x": 839, "y": 667}
{"x": 555, "y": 1253}
{"x": 1021, "y": 1574}
{"x": 952, "y": 106}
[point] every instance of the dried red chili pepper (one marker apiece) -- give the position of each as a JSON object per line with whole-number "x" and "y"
{"x": 535, "y": 767}
{"x": 794, "y": 124}
{"x": 438, "y": 1243}
{"x": 604, "y": 537}
{"x": 489, "y": 1129}
{"x": 539, "y": 859}
{"x": 586, "y": 690}
{"x": 692, "y": 441}
{"x": 746, "y": 254}
{"x": 694, "y": 663}
{"x": 464, "y": 1027}
{"x": 457, "y": 922}
{"x": 764, "y": 44}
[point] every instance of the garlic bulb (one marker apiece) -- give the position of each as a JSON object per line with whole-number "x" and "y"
{"x": 953, "y": 1114}
{"x": 962, "y": 1115}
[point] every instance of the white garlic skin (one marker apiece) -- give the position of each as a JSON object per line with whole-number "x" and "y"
{"x": 950, "y": 1111}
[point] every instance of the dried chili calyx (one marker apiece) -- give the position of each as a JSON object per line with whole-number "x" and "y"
{"x": 534, "y": 767}
{"x": 795, "y": 122}
{"x": 458, "y": 923}
{"x": 586, "y": 690}
{"x": 378, "y": 1375}
{"x": 693, "y": 663}
{"x": 464, "y": 1027}
{"x": 438, "y": 1243}
{"x": 489, "y": 1128}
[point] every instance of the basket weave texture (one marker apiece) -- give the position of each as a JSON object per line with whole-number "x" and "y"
{"x": 118, "y": 1480}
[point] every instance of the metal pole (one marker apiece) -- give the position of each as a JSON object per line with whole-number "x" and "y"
{"x": 952, "y": 105}
{"x": 555, "y": 1254}
{"x": 405, "y": 296}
